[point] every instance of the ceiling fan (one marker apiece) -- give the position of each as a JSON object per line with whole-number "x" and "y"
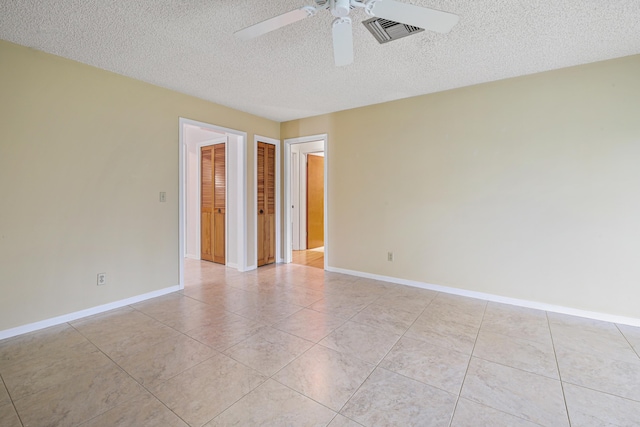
{"x": 422, "y": 17}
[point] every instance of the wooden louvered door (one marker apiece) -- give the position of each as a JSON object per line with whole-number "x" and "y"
{"x": 266, "y": 203}
{"x": 213, "y": 203}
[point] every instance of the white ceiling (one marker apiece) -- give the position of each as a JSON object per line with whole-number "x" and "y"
{"x": 188, "y": 46}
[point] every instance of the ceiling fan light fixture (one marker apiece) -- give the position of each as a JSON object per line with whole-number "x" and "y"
{"x": 340, "y": 8}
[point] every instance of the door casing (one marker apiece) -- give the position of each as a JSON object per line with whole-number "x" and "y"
{"x": 288, "y": 229}
{"x": 236, "y": 156}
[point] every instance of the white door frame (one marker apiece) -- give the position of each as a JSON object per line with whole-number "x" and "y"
{"x": 288, "y": 232}
{"x": 299, "y": 160}
{"x": 276, "y": 142}
{"x": 238, "y": 169}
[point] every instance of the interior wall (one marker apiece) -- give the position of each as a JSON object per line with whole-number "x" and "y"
{"x": 526, "y": 188}
{"x": 84, "y": 154}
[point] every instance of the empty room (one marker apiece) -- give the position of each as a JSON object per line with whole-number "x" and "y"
{"x": 333, "y": 213}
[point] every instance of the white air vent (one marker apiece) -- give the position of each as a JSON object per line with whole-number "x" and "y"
{"x": 385, "y": 31}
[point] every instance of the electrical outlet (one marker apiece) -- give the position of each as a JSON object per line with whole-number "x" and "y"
{"x": 389, "y": 256}
{"x": 102, "y": 279}
{"x": 163, "y": 196}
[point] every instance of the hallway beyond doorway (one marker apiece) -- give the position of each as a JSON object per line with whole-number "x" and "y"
{"x": 311, "y": 257}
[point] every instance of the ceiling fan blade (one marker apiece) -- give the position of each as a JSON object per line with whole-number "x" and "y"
{"x": 429, "y": 19}
{"x": 342, "y": 41}
{"x": 275, "y": 23}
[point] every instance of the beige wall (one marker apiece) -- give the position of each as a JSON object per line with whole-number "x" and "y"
{"x": 83, "y": 156}
{"x": 526, "y": 188}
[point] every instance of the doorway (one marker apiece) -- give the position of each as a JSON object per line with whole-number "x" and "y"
{"x": 193, "y": 135}
{"x": 306, "y": 200}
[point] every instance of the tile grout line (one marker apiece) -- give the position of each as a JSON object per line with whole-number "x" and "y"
{"x": 131, "y": 376}
{"x": 466, "y": 372}
{"x": 11, "y": 400}
{"x": 555, "y": 355}
{"x": 637, "y": 352}
{"x": 380, "y": 361}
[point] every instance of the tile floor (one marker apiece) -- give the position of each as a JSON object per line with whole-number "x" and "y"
{"x": 290, "y": 345}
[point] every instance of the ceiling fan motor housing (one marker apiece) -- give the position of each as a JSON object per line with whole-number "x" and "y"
{"x": 340, "y": 8}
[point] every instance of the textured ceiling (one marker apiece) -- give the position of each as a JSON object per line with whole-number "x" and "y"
{"x": 188, "y": 46}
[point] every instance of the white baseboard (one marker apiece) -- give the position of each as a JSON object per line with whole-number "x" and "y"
{"x": 192, "y": 256}
{"x": 494, "y": 298}
{"x": 8, "y": 333}
{"x": 232, "y": 265}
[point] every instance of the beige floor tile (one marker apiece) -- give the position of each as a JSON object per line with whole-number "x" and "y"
{"x": 371, "y": 286}
{"x": 531, "y": 356}
{"x": 78, "y": 399}
{"x": 274, "y": 405}
{"x": 200, "y": 393}
{"x": 269, "y": 350}
{"x": 8, "y": 416}
{"x": 389, "y": 399}
{"x": 580, "y": 323}
{"x": 325, "y": 375}
{"x": 389, "y": 319}
{"x": 296, "y": 295}
{"x": 362, "y": 341}
{"x": 437, "y": 366}
{"x": 454, "y": 308}
{"x": 35, "y": 375}
{"x": 59, "y": 377}
{"x": 590, "y": 408}
{"x": 125, "y": 333}
{"x": 449, "y": 314}
{"x": 342, "y": 421}
{"x": 472, "y": 414}
{"x": 413, "y": 303}
{"x": 269, "y": 313}
{"x": 343, "y": 306}
{"x": 230, "y": 300}
{"x": 188, "y": 320}
{"x": 411, "y": 293}
{"x": 617, "y": 377}
{"x": 533, "y": 397}
{"x": 517, "y": 322}
{"x": 56, "y": 340}
{"x": 182, "y": 313}
{"x": 212, "y": 294}
{"x": 167, "y": 304}
{"x": 165, "y": 360}
{"x": 309, "y": 324}
{"x": 227, "y": 332}
{"x": 144, "y": 410}
{"x": 109, "y": 320}
{"x": 606, "y": 343}
{"x": 438, "y": 332}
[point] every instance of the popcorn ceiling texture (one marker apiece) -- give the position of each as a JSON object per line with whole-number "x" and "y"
{"x": 188, "y": 46}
